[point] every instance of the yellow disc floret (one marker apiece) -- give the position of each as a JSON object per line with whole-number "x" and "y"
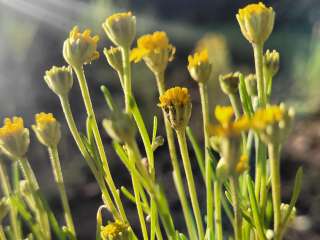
{"x": 44, "y": 118}
{"x": 174, "y": 96}
{"x": 116, "y": 230}
{"x": 198, "y": 58}
{"x": 11, "y": 127}
{"x": 266, "y": 116}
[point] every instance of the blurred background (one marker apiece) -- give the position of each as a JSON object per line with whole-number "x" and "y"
{"x": 31, "y": 37}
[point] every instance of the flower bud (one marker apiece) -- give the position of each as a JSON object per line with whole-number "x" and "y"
{"x": 155, "y": 50}
{"x": 271, "y": 62}
{"x": 14, "y": 138}
{"x": 47, "y": 129}
{"x": 256, "y": 22}
{"x": 114, "y": 58}
{"x": 284, "y": 210}
{"x": 120, "y": 127}
{"x": 229, "y": 83}
{"x": 116, "y": 231}
{"x": 158, "y": 142}
{"x": 4, "y": 209}
{"x": 80, "y": 48}
{"x": 59, "y": 80}
{"x": 251, "y": 85}
{"x": 199, "y": 66}
{"x": 121, "y": 29}
{"x": 177, "y": 105}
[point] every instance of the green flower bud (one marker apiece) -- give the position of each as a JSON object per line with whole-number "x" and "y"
{"x": 199, "y": 66}
{"x": 158, "y": 142}
{"x": 80, "y": 48}
{"x": 114, "y": 58}
{"x": 229, "y": 83}
{"x": 121, "y": 29}
{"x": 120, "y": 127}
{"x": 256, "y": 22}
{"x": 177, "y": 105}
{"x": 284, "y": 210}
{"x": 47, "y": 129}
{"x": 14, "y": 138}
{"x": 251, "y": 85}
{"x": 59, "y": 80}
{"x": 271, "y": 62}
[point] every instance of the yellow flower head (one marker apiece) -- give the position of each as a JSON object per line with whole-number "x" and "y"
{"x": 256, "y": 22}
{"x": 199, "y": 66}
{"x": 243, "y": 164}
{"x": 198, "y": 58}
{"x": 177, "y": 106}
{"x": 155, "y": 50}
{"x": 115, "y": 231}
{"x": 47, "y": 129}
{"x": 14, "y": 137}
{"x": 121, "y": 28}
{"x": 267, "y": 116}
{"x": 176, "y": 96}
{"x": 226, "y": 126}
{"x": 59, "y": 80}
{"x": 80, "y": 48}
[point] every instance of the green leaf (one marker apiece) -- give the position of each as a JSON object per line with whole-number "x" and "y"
{"x": 295, "y": 195}
{"x": 108, "y": 97}
{"x": 155, "y": 128}
{"x": 245, "y": 98}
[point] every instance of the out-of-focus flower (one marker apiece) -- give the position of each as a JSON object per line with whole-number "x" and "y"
{"x": 14, "y": 137}
{"x": 256, "y": 22}
{"x": 243, "y": 164}
{"x": 177, "y": 105}
{"x": 155, "y": 50}
{"x": 271, "y": 62}
{"x": 121, "y": 29}
{"x": 59, "y": 80}
{"x": 251, "y": 85}
{"x": 116, "y": 231}
{"x": 230, "y": 83}
{"x": 47, "y": 129}
{"x": 199, "y": 66}
{"x": 80, "y": 48}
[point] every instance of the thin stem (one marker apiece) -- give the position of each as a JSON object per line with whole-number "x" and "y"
{"x": 175, "y": 164}
{"x": 236, "y": 104}
{"x": 2, "y": 234}
{"x": 126, "y": 76}
{"x": 234, "y": 186}
{"x": 258, "y": 59}
{"x": 133, "y": 155}
{"x": 217, "y": 204}
{"x": 274, "y": 153}
{"x": 190, "y": 180}
{"x": 88, "y": 104}
{"x": 56, "y": 167}
{"x": 203, "y": 89}
{"x": 6, "y": 188}
{"x": 76, "y": 136}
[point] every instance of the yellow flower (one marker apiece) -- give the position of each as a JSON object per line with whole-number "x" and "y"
{"x": 177, "y": 105}
{"x": 59, "y": 80}
{"x": 174, "y": 96}
{"x": 155, "y": 50}
{"x": 227, "y": 127}
{"x": 80, "y": 48}
{"x": 243, "y": 164}
{"x": 121, "y": 28}
{"x": 256, "y": 22}
{"x": 267, "y": 116}
{"x": 199, "y": 66}
{"x": 14, "y": 137}
{"x": 47, "y": 129}
{"x": 116, "y": 231}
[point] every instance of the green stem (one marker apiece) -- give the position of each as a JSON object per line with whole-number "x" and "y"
{"x": 258, "y": 59}
{"x": 274, "y": 155}
{"x": 236, "y": 104}
{"x": 2, "y": 234}
{"x": 56, "y": 167}
{"x": 34, "y": 186}
{"x": 6, "y": 188}
{"x": 76, "y": 136}
{"x": 203, "y": 89}
{"x": 126, "y": 76}
{"x": 181, "y": 134}
{"x": 134, "y": 156}
{"x": 234, "y": 186}
{"x": 175, "y": 165}
{"x": 88, "y": 104}
{"x": 217, "y": 204}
